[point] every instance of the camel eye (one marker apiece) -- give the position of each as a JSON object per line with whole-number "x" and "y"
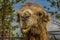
{"x": 39, "y": 14}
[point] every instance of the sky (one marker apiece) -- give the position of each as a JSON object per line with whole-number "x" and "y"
{"x": 40, "y": 2}
{"x": 50, "y": 26}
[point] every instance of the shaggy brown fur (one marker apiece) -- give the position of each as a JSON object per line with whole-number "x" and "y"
{"x": 32, "y": 19}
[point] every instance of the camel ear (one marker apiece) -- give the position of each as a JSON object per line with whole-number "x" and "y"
{"x": 18, "y": 17}
{"x": 46, "y": 18}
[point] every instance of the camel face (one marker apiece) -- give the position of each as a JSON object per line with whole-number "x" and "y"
{"x": 30, "y": 15}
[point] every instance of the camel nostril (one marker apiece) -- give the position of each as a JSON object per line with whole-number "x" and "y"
{"x": 24, "y": 18}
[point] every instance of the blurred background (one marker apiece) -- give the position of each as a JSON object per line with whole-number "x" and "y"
{"x": 8, "y": 20}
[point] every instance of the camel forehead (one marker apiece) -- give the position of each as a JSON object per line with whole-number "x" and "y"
{"x": 33, "y": 7}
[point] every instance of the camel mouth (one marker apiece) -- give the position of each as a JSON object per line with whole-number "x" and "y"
{"x": 25, "y": 30}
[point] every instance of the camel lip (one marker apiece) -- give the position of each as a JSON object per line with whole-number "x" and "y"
{"x": 24, "y": 27}
{"x": 25, "y": 30}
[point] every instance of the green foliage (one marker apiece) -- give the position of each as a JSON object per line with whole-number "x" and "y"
{"x": 56, "y": 5}
{"x": 58, "y": 16}
{"x": 17, "y": 34}
{"x": 6, "y": 15}
{"x": 14, "y": 28}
